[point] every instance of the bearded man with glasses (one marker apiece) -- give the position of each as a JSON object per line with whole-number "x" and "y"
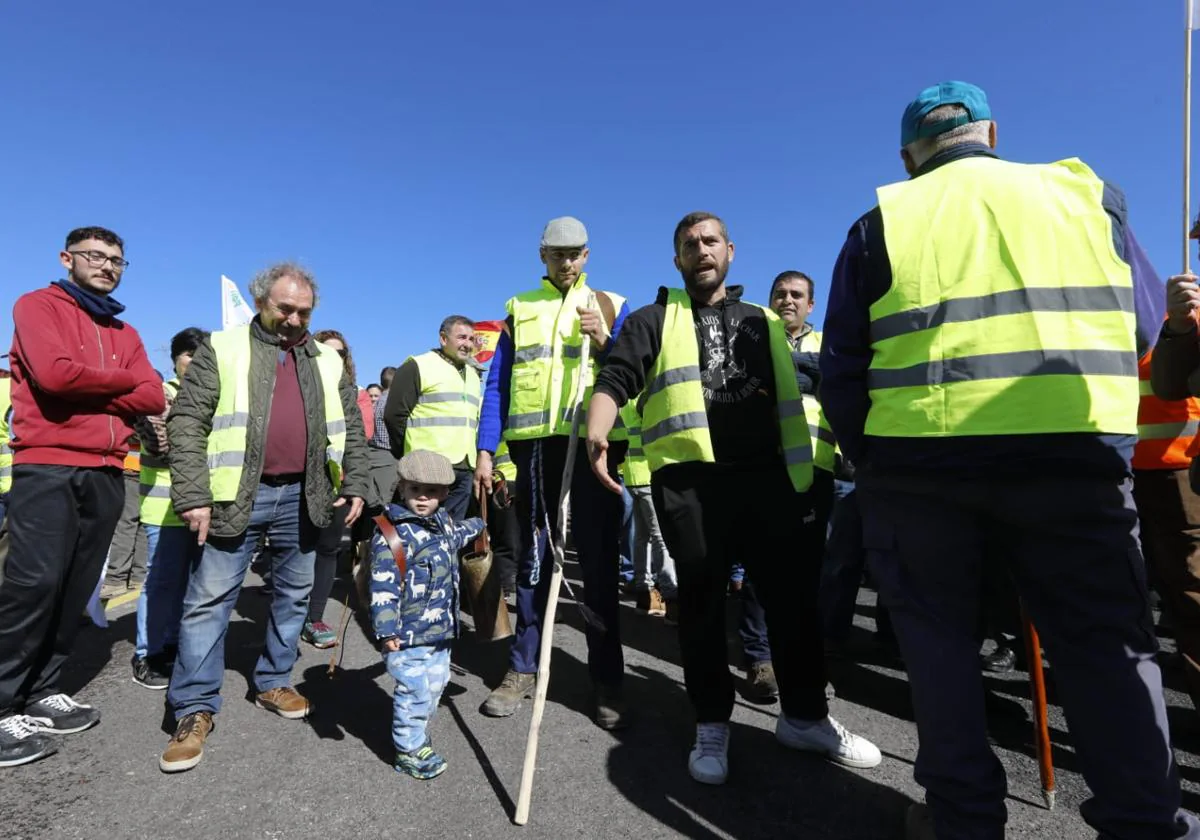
{"x": 79, "y": 378}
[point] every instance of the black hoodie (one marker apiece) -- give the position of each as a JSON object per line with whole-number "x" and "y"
{"x": 735, "y": 372}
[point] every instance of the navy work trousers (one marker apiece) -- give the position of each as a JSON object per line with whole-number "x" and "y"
{"x": 1071, "y": 545}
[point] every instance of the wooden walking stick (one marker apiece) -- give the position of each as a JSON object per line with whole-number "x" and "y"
{"x": 558, "y": 547}
{"x": 1041, "y": 726}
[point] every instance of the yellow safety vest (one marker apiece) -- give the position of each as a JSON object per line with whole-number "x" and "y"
{"x": 503, "y": 463}
{"x": 154, "y": 483}
{"x": 547, "y": 349}
{"x": 674, "y": 418}
{"x": 824, "y": 443}
{"x": 1009, "y": 312}
{"x": 6, "y": 455}
{"x": 227, "y": 440}
{"x": 635, "y": 469}
{"x": 446, "y": 417}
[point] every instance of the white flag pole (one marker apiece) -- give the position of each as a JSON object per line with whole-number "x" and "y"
{"x": 1187, "y": 137}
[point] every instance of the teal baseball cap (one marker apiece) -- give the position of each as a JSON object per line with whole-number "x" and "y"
{"x": 972, "y": 98}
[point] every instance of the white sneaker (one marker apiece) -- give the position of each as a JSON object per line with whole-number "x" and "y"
{"x": 827, "y": 736}
{"x": 709, "y": 760}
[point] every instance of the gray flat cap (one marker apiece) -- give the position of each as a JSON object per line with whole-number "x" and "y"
{"x": 424, "y": 467}
{"x": 564, "y": 232}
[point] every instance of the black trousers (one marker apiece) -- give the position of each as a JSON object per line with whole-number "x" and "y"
{"x": 714, "y": 515}
{"x": 60, "y": 523}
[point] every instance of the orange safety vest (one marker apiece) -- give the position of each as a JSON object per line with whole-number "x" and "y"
{"x": 1167, "y": 431}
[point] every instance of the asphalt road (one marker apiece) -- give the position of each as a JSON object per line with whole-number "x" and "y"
{"x": 331, "y": 777}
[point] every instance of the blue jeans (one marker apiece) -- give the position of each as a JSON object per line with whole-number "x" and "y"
{"x": 171, "y": 552}
{"x": 280, "y": 515}
{"x": 421, "y": 674}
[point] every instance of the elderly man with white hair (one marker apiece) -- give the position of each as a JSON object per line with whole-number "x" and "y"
{"x": 260, "y": 447}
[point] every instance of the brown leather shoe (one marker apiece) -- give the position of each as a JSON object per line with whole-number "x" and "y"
{"x": 657, "y": 605}
{"x": 186, "y": 747}
{"x": 285, "y": 702}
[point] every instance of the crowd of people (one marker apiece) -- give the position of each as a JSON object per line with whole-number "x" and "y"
{"x": 1003, "y": 397}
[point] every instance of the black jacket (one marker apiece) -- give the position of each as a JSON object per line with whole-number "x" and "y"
{"x": 735, "y": 373}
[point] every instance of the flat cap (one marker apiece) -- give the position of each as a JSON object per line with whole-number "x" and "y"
{"x": 564, "y": 232}
{"x": 424, "y": 467}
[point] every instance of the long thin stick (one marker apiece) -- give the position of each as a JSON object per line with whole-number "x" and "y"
{"x": 559, "y": 542}
{"x": 1041, "y": 723}
{"x": 1187, "y": 139}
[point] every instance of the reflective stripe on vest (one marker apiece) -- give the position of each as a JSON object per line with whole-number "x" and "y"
{"x": 227, "y": 440}
{"x": 446, "y": 417}
{"x": 6, "y": 455}
{"x": 824, "y": 444}
{"x": 1012, "y": 314}
{"x": 154, "y": 482}
{"x": 1167, "y": 430}
{"x": 674, "y": 418}
{"x": 635, "y": 469}
{"x": 547, "y": 351}
{"x": 503, "y": 464}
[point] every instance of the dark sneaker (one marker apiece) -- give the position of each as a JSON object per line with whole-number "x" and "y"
{"x": 186, "y": 747}
{"x": 285, "y": 702}
{"x": 611, "y": 710}
{"x": 1002, "y": 660}
{"x": 507, "y": 696}
{"x": 61, "y": 715}
{"x": 761, "y": 684}
{"x": 20, "y": 742}
{"x": 147, "y": 675}
{"x": 319, "y": 634}
{"x": 422, "y": 763}
{"x": 642, "y": 602}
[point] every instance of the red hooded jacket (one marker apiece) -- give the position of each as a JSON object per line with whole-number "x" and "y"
{"x": 77, "y": 383}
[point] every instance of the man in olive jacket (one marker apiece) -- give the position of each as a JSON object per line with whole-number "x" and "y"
{"x": 279, "y": 445}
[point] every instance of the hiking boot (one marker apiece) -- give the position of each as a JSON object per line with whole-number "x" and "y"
{"x": 827, "y": 736}
{"x": 20, "y": 742}
{"x": 284, "y": 701}
{"x": 611, "y": 709}
{"x": 146, "y": 673}
{"x": 59, "y": 714}
{"x": 671, "y": 614}
{"x": 918, "y": 823}
{"x": 708, "y": 762}
{"x": 657, "y": 605}
{"x": 422, "y": 763}
{"x": 761, "y": 685}
{"x": 507, "y": 696}
{"x": 319, "y": 634}
{"x": 186, "y": 747}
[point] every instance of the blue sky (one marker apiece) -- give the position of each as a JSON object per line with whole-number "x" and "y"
{"x": 410, "y": 153}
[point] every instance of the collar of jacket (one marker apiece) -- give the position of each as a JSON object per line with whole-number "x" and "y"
{"x": 952, "y": 154}
{"x": 733, "y": 294}
{"x": 439, "y": 522}
{"x": 309, "y": 348}
{"x": 795, "y": 340}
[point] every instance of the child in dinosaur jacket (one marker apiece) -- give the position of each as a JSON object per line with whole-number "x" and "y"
{"x": 415, "y": 616}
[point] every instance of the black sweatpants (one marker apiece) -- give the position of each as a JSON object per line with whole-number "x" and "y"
{"x": 60, "y": 523}
{"x": 714, "y": 515}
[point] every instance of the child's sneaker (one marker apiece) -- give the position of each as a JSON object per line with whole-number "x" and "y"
{"x": 422, "y": 763}
{"x": 319, "y": 634}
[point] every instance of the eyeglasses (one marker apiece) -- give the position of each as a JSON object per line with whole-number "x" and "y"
{"x": 96, "y": 259}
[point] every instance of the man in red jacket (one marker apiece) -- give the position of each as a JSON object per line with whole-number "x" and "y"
{"x": 79, "y": 377}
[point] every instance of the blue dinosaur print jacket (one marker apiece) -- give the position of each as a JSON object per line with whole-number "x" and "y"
{"x": 422, "y": 609}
